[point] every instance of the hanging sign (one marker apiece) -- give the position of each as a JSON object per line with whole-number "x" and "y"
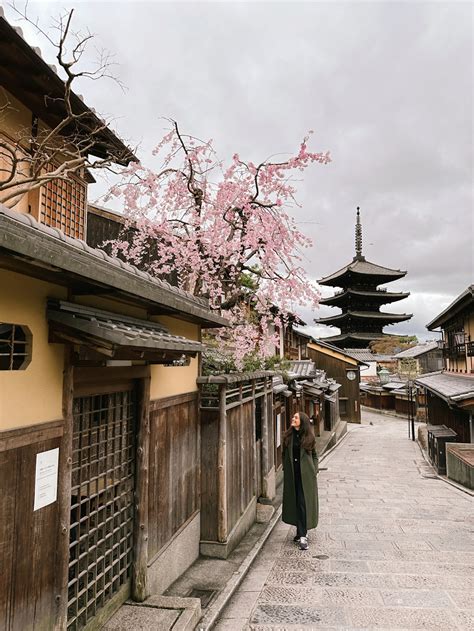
{"x": 46, "y": 478}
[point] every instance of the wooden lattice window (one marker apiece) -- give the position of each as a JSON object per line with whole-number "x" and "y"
{"x": 63, "y": 206}
{"x": 15, "y": 346}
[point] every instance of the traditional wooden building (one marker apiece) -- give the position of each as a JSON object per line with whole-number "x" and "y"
{"x": 99, "y": 432}
{"x": 360, "y": 299}
{"x": 419, "y": 359}
{"x": 450, "y": 392}
{"x": 345, "y": 370}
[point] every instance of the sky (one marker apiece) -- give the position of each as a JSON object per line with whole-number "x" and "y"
{"x": 386, "y": 86}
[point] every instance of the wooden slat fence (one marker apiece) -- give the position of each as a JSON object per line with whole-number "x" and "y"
{"x": 174, "y": 467}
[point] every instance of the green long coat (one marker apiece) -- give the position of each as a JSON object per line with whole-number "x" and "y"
{"x": 309, "y": 470}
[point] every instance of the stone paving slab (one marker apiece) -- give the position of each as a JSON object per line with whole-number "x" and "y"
{"x": 134, "y": 618}
{"x": 394, "y": 548}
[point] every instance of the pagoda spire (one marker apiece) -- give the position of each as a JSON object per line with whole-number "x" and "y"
{"x": 358, "y": 237}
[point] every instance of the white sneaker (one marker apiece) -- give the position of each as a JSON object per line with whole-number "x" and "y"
{"x": 303, "y": 543}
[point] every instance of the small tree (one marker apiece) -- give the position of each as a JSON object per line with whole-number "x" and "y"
{"x": 77, "y": 141}
{"x": 227, "y": 230}
{"x": 393, "y": 344}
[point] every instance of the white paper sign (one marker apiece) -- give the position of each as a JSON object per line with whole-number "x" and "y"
{"x": 46, "y": 478}
{"x": 278, "y": 424}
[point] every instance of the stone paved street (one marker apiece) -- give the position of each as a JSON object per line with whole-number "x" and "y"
{"x": 394, "y": 548}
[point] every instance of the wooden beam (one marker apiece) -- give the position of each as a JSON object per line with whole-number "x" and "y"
{"x": 265, "y": 433}
{"x": 140, "y": 535}
{"x": 64, "y": 495}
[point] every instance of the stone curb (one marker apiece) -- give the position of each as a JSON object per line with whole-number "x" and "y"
{"x": 211, "y": 616}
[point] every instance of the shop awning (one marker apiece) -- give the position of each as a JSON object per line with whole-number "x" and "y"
{"x": 115, "y": 336}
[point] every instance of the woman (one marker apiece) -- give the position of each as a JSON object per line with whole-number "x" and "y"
{"x": 300, "y": 467}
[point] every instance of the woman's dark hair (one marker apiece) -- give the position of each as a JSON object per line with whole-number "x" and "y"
{"x": 307, "y": 439}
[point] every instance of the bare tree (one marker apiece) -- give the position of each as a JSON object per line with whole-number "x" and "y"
{"x": 77, "y": 141}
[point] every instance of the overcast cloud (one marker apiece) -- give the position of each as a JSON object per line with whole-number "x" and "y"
{"x": 386, "y": 86}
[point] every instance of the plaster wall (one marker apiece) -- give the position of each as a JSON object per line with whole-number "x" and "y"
{"x": 169, "y": 381}
{"x": 33, "y": 395}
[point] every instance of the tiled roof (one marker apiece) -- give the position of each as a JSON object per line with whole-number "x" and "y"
{"x": 236, "y": 377}
{"x": 366, "y": 355}
{"x": 366, "y": 315}
{"x": 449, "y": 386}
{"x": 361, "y": 266}
{"x": 116, "y": 330}
{"x": 365, "y": 337}
{"x": 380, "y": 295}
{"x": 302, "y": 368}
{"x": 322, "y": 342}
{"x": 394, "y": 385}
{"x": 418, "y": 350}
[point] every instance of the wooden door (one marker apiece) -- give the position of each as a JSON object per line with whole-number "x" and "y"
{"x": 102, "y": 506}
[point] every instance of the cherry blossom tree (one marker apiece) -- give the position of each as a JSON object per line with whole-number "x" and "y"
{"x": 226, "y": 230}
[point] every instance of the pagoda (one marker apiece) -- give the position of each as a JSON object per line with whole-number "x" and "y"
{"x": 360, "y": 299}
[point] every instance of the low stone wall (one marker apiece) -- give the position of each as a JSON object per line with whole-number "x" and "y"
{"x": 460, "y": 463}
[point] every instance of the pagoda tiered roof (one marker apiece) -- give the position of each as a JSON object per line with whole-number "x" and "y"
{"x": 378, "y": 296}
{"x": 361, "y": 320}
{"x": 360, "y": 271}
{"x": 356, "y": 340}
{"x": 383, "y": 316}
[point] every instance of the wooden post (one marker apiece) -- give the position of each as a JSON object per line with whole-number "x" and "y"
{"x": 254, "y": 443}
{"x": 140, "y": 534}
{"x": 64, "y": 494}
{"x": 222, "y": 467}
{"x": 265, "y": 436}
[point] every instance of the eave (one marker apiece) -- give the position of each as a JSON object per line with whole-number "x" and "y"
{"x": 361, "y": 270}
{"x": 30, "y": 248}
{"x": 359, "y": 337}
{"x": 25, "y": 74}
{"x": 463, "y": 301}
{"x": 379, "y": 297}
{"x": 365, "y": 316}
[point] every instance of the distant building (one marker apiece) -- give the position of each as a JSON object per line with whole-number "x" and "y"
{"x": 361, "y": 320}
{"x": 374, "y": 362}
{"x": 419, "y": 359}
{"x": 345, "y": 370}
{"x": 450, "y": 392}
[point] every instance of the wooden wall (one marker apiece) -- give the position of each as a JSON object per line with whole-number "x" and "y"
{"x": 240, "y": 461}
{"x": 337, "y": 369}
{"x": 174, "y": 464}
{"x": 439, "y": 413}
{"x": 209, "y": 440}
{"x": 28, "y": 539}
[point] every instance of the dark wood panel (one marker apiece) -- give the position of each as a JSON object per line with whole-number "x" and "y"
{"x": 174, "y": 468}
{"x": 28, "y": 543}
{"x": 240, "y": 461}
{"x": 22, "y": 436}
{"x": 439, "y": 413}
{"x": 159, "y": 404}
{"x": 8, "y": 483}
{"x": 209, "y": 440}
